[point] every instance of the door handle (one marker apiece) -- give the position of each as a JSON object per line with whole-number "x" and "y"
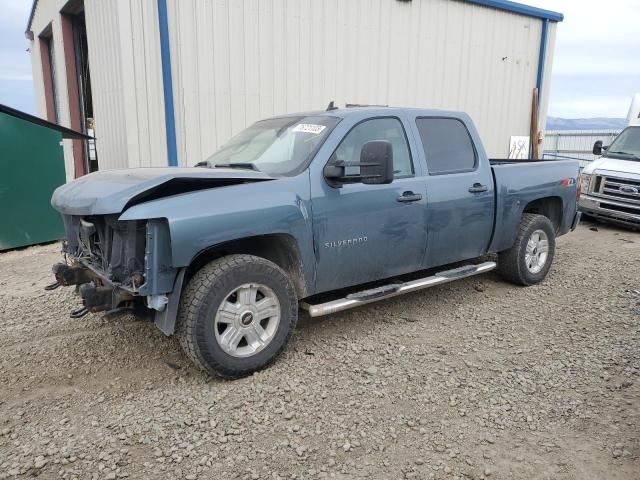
{"x": 478, "y": 188}
{"x": 409, "y": 196}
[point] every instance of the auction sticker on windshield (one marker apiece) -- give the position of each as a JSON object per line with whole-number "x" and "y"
{"x": 309, "y": 128}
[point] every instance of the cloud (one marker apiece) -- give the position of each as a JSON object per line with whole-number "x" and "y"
{"x": 13, "y": 77}
{"x": 16, "y": 84}
{"x": 596, "y": 66}
{"x": 591, "y": 106}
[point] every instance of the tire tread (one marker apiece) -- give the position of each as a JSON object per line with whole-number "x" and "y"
{"x": 509, "y": 266}
{"x": 196, "y": 293}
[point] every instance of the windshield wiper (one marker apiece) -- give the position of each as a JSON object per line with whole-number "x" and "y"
{"x": 626, "y": 153}
{"x": 245, "y": 166}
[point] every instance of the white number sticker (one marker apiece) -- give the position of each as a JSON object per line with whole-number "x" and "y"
{"x": 309, "y": 128}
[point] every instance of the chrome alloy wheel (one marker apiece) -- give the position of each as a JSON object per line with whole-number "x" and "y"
{"x": 537, "y": 251}
{"x": 247, "y": 320}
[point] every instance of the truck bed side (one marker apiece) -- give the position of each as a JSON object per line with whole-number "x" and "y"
{"x": 547, "y": 187}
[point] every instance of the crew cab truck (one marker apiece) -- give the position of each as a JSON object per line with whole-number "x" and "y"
{"x": 324, "y": 210}
{"x": 612, "y": 182}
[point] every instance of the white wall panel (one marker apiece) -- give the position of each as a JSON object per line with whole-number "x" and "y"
{"x": 105, "y": 66}
{"x": 124, "y": 60}
{"x": 236, "y": 61}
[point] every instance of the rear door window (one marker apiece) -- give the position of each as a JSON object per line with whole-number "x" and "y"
{"x": 447, "y": 145}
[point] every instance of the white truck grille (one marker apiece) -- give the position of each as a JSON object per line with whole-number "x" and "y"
{"x": 618, "y": 190}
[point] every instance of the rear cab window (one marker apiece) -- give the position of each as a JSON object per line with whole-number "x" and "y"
{"x": 447, "y": 145}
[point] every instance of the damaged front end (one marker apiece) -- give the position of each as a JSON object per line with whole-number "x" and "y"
{"x": 127, "y": 264}
{"x": 117, "y": 265}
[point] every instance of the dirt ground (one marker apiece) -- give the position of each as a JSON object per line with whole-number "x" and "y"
{"x": 474, "y": 379}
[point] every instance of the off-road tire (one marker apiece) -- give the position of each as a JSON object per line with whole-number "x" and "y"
{"x": 200, "y": 301}
{"x": 511, "y": 263}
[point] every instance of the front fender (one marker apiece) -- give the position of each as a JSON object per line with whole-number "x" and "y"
{"x": 205, "y": 218}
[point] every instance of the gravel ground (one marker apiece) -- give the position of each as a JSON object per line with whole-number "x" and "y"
{"x": 474, "y": 379}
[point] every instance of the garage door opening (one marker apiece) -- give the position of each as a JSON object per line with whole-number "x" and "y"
{"x": 74, "y": 31}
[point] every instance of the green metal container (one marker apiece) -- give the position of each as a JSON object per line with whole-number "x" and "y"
{"x": 31, "y": 168}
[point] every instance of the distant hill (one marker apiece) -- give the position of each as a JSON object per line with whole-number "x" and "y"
{"x": 555, "y": 123}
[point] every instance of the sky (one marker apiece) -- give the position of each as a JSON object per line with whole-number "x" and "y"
{"x": 16, "y": 85}
{"x": 596, "y": 67}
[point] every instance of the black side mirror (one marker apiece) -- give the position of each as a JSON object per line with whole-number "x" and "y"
{"x": 376, "y": 166}
{"x": 376, "y": 162}
{"x": 597, "y": 148}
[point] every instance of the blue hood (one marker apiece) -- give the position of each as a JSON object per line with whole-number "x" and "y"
{"x": 111, "y": 191}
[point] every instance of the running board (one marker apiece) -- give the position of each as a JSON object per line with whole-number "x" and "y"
{"x": 395, "y": 289}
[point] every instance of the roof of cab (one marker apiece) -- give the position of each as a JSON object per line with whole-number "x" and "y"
{"x": 373, "y": 111}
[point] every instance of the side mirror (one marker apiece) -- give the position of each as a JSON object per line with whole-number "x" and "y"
{"x": 376, "y": 162}
{"x": 376, "y": 166}
{"x": 597, "y": 148}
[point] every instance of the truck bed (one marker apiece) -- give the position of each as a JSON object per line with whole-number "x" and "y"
{"x": 518, "y": 183}
{"x": 506, "y": 161}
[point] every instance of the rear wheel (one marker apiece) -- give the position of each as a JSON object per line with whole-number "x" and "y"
{"x": 528, "y": 261}
{"x": 236, "y": 315}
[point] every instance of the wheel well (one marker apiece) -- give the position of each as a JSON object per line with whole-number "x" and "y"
{"x": 280, "y": 249}
{"x": 550, "y": 207}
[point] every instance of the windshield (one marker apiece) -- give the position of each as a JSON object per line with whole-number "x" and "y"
{"x": 626, "y": 145}
{"x": 277, "y": 146}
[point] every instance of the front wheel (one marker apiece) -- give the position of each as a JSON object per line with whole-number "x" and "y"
{"x": 528, "y": 261}
{"x": 236, "y": 315}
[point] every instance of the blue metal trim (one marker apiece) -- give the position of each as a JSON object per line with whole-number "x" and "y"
{"x": 542, "y": 58}
{"x": 521, "y": 9}
{"x": 167, "y": 84}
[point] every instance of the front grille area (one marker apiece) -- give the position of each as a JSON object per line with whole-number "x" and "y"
{"x": 618, "y": 189}
{"x": 114, "y": 248}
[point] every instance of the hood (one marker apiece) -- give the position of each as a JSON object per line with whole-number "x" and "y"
{"x": 112, "y": 191}
{"x": 614, "y": 165}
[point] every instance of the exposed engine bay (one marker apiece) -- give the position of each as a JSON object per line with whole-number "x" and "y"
{"x": 105, "y": 260}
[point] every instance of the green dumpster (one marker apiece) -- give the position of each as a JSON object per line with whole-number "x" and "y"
{"x": 31, "y": 168}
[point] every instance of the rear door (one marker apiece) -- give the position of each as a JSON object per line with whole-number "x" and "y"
{"x": 369, "y": 232}
{"x": 460, "y": 191}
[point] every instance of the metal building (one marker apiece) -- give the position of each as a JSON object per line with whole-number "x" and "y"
{"x": 166, "y": 82}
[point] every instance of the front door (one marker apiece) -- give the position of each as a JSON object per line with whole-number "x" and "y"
{"x": 460, "y": 192}
{"x": 369, "y": 232}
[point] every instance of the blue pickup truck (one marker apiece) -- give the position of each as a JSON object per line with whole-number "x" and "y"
{"x": 322, "y": 211}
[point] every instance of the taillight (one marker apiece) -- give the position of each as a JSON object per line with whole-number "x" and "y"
{"x": 569, "y": 182}
{"x": 578, "y": 187}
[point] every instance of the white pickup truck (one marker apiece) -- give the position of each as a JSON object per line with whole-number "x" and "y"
{"x": 611, "y": 184}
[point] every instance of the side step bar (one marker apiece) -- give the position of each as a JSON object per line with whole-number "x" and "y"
{"x": 395, "y": 289}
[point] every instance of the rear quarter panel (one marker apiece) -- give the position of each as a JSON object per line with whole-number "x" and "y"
{"x": 519, "y": 184}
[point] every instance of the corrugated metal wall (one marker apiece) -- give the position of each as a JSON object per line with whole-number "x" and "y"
{"x": 576, "y": 144}
{"x": 236, "y": 61}
{"x": 126, "y": 76}
{"x": 124, "y": 56}
{"x": 107, "y": 83}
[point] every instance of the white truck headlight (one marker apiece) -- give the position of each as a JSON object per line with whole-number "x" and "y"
{"x": 586, "y": 182}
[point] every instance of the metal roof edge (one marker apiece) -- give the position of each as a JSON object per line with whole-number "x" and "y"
{"x": 520, "y": 8}
{"x": 31, "y": 14}
{"x": 66, "y": 132}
